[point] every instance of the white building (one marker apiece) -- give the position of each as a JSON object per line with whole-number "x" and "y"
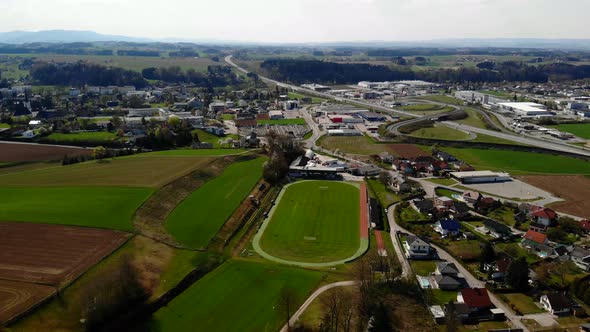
{"x": 276, "y": 115}
{"x": 525, "y": 109}
{"x": 481, "y": 177}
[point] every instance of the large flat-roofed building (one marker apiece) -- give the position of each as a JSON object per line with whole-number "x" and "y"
{"x": 316, "y": 87}
{"x": 526, "y": 109}
{"x": 481, "y": 177}
{"x": 344, "y": 132}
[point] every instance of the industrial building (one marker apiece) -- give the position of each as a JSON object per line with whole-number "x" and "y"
{"x": 309, "y": 165}
{"x": 372, "y": 116}
{"x": 345, "y": 118}
{"x": 344, "y": 132}
{"x": 481, "y": 177}
{"x": 526, "y": 109}
{"x": 316, "y": 87}
{"x": 276, "y": 115}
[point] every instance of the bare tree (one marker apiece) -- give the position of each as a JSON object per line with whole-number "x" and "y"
{"x": 287, "y": 303}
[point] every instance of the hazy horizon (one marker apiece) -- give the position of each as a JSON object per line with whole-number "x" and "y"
{"x": 305, "y": 21}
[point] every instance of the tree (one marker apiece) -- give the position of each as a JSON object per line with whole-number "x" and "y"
{"x": 99, "y": 152}
{"x": 287, "y": 303}
{"x": 517, "y": 275}
{"x": 451, "y": 317}
{"x": 382, "y": 319}
{"x": 488, "y": 254}
{"x": 385, "y": 178}
{"x": 562, "y": 269}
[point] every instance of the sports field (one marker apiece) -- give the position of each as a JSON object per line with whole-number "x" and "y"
{"x": 102, "y": 207}
{"x": 281, "y": 122}
{"x": 519, "y": 162}
{"x": 196, "y": 220}
{"x": 237, "y": 296}
{"x": 315, "y": 222}
{"x": 133, "y": 171}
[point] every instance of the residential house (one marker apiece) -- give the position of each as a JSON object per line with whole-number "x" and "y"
{"x": 443, "y": 201}
{"x": 581, "y": 257}
{"x": 446, "y": 277}
{"x": 556, "y": 303}
{"x": 486, "y": 203}
{"x": 585, "y": 327}
{"x": 537, "y": 242}
{"x": 416, "y": 248}
{"x": 447, "y": 227}
{"x": 386, "y": 157}
{"x": 544, "y": 216}
{"x": 477, "y": 301}
{"x": 424, "y": 206}
{"x": 444, "y": 156}
{"x": 447, "y": 269}
{"x": 497, "y": 230}
{"x": 472, "y": 197}
{"x": 460, "y": 211}
{"x": 28, "y": 134}
{"x": 498, "y": 268}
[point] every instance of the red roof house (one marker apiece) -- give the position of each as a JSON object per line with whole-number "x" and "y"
{"x": 585, "y": 224}
{"x": 475, "y": 298}
{"x": 535, "y": 237}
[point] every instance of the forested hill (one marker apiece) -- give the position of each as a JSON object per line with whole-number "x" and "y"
{"x": 307, "y": 71}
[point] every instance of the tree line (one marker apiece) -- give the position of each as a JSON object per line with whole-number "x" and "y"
{"x": 215, "y": 76}
{"x": 82, "y": 73}
{"x": 305, "y": 71}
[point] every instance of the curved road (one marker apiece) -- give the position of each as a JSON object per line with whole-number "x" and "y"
{"x": 310, "y": 300}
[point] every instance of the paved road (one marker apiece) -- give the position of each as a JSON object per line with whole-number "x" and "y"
{"x": 471, "y": 280}
{"x": 399, "y": 250}
{"x": 310, "y": 299}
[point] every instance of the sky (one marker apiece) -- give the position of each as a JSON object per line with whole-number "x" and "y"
{"x": 304, "y": 20}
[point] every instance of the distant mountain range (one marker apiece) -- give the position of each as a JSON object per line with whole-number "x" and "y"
{"x": 70, "y": 36}
{"x": 62, "y": 36}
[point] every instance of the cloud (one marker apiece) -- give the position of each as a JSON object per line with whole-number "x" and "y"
{"x": 304, "y": 20}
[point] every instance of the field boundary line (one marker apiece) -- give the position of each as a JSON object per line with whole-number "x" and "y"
{"x": 363, "y": 245}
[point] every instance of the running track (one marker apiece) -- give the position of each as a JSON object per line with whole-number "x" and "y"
{"x": 364, "y": 213}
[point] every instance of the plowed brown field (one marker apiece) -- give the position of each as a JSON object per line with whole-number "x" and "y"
{"x": 11, "y": 152}
{"x": 574, "y": 189}
{"x": 34, "y": 255}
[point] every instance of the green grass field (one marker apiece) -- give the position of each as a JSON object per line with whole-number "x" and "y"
{"x": 315, "y": 221}
{"x": 83, "y": 206}
{"x": 213, "y": 139}
{"x": 133, "y": 171}
{"x": 518, "y": 162}
{"x": 281, "y": 122}
{"x": 314, "y": 100}
{"x": 522, "y": 303}
{"x": 425, "y": 108}
{"x": 97, "y": 136}
{"x": 442, "y": 99}
{"x": 196, "y": 220}
{"x": 4, "y": 125}
{"x": 581, "y": 130}
{"x": 194, "y": 152}
{"x": 423, "y": 268}
{"x": 441, "y": 132}
{"x": 237, "y": 296}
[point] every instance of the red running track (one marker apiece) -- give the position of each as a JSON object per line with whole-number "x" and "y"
{"x": 364, "y": 213}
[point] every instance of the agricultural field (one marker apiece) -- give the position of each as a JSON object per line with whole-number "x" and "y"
{"x": 573, "y": 189}
{"x": 581, "y": 130}
{"x": 196, "y": 220}
{"x": 315, "y": 222}
{"x": 144, "y": 170}
{"x": 519, "y": 162}
{"x": 237, "y": 296}
{"x": 52, "y": 257}
{"x": 194, "y": 152}
{"x": 102, "y": 207}
{"x": 409, "y": 151}
{"x": 441, "y": 132}
{"x": 94, "y": 137}
{"x": 282, "y": 122}
{"x": 14, "y": 152}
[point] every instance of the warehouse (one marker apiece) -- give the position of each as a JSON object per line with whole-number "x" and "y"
{"x": 481, "y": 177}
{"x": 526, "y": 109}
{"x": 372, "y": 116}
{"x": 344, "y": 132}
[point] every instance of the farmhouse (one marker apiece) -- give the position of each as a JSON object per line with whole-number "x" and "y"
{"x": 481, "y": 177}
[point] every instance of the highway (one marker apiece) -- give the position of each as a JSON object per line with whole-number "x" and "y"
{"x": 518, "y": 139}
